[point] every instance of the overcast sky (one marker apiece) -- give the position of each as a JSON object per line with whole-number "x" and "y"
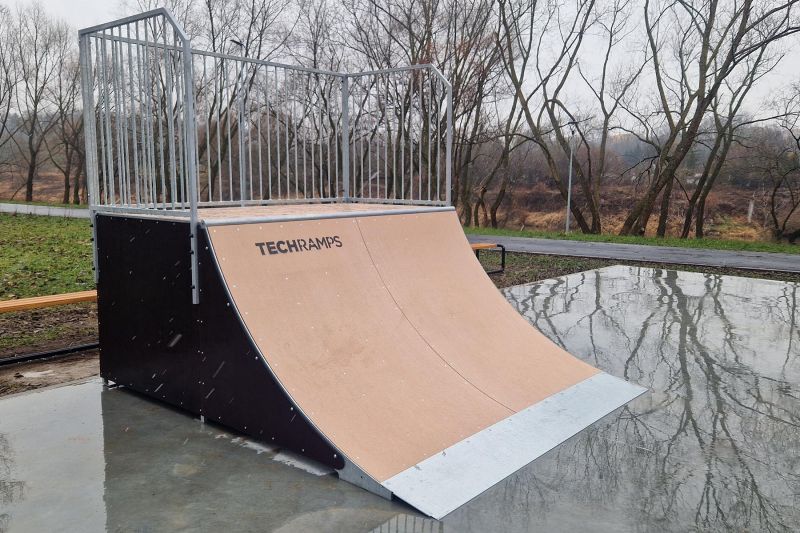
{"x": 82, "y": 13}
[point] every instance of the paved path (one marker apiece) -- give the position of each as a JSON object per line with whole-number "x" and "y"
{"x": 658, "y": 254}
{"x": 44, "y": 210}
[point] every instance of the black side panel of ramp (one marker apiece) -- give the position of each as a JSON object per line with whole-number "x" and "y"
{"x": 196, "y": 357}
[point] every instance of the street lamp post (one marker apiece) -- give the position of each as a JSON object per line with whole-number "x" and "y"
{"x": 569, "y": 182}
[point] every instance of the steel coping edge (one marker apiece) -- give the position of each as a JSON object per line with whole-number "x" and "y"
{"x": 322, "y": 216}
{"x": 446, "y": 481}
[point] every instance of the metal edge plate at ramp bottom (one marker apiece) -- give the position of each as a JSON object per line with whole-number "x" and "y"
{"x": 443, "y": 482}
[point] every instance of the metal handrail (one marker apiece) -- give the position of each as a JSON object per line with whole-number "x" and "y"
{"x": 291, "y": 134}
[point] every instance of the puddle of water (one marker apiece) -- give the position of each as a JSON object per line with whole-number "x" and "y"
{"x": 714, "y": 446}
{"x": 303, "y": 463}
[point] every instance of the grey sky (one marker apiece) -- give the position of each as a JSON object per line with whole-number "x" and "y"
{"x": 82, "y": 13}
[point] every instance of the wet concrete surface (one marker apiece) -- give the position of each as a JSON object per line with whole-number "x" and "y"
{"x": 715, "y": 445}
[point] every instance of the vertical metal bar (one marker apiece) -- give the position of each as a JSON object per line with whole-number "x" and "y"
{"x": 144, "y": 119}
{"x": 430, "y": 123}
{"x": 239, "y": 90}
{"x": 359, "y": 129}
{"x": 207, "y": 112}
{"x": 421, "y": 132}
{"x": 90, "y": 139}
{"x": 161, "y": 104}
{"x": 394, "y": 144}
{"x": 402, "y": 122}
{"x": 218, "y": 93}
{"x": 134, "y": 116}
{"x": 168, "y": 64}
{"x": 260, "y": 166}
{"x": 269, "y": 133}
{"x": 449, "y": 145}
{"x": 294, "y": 140}
{"x": 277, "y": 134}
{"x": 100, "y": 119}
{"x": 228, "y": 127}
{"x": 411, "y": 136}
{"x": 438, "y": 141}
{"x": 181, "y": 134}
{"x": 287, "y": 116}
{"x": 386, "y": 139}
{"x": 336, "y": 143}
{"x": 90, "y": 124}
{"x": 303, "y": 132}
{"x": 325, "y": 125}
{"x": 321, "y": 141}
{"x": 191, "y": 159}
{"x": 249, "y": 150}
{"x": 150, "y": 129}
{"x": 369, "y": 142}
{"x": 346, "y": 137}
{"x": 119, "y": 105}
{"x": 109, "y": 178}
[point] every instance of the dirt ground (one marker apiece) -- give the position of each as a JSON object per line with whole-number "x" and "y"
{"x": 35, "y": 375}
{"x": 45, "y": 329}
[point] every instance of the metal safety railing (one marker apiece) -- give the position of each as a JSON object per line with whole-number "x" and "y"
{"x": 173, "y": 128}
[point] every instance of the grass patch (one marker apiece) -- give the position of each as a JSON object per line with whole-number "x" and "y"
{"x": 44, "y": 255}
{"x": 33, "y": 339}
{"x": 709, "y": 244}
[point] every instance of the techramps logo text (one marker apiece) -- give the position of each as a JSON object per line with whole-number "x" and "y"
{"x": 299, "y": 245}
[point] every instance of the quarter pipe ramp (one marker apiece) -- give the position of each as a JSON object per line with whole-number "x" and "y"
{"x": 372, "y": 341}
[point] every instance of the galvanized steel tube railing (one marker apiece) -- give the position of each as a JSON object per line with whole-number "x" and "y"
{"x": 170, "y": 128}
{"x": 138, "y": 105}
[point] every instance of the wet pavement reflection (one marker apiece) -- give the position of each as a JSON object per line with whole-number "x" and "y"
{"x": 714, "y": 445}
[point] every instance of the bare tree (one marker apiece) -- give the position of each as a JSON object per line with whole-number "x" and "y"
{"x": 541, "y": 42}
{"x": 8, "y": 76}
{"x": 66, "y": 148}
{"x": 695, "y": 48}
{"x": 40, "y": 46}
{"x": 456, "y": 36}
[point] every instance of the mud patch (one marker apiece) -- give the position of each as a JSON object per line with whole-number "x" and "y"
{"x": 30, "y": 376}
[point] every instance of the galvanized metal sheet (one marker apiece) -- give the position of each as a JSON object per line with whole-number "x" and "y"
{"x": 449, "y": 479}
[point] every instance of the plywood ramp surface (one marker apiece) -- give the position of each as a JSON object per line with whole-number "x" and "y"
{"x": 344, "y": 350}
{"x": 391, "y": 339}
{"x": 427, "y": 265}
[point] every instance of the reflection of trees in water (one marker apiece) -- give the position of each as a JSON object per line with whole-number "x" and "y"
{"x": 715, "y": 444}
{"x": 10, "y": 489}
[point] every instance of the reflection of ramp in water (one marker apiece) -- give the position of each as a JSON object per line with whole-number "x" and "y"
{"x": 391, "y": 341}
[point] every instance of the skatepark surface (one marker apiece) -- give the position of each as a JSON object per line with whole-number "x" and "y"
{"x": 713, "y": 446}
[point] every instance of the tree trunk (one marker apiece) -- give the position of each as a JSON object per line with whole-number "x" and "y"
{"x": 30, "y": 178}
{"x": 666, "y": 198}
{"x": 67, "y": 175}
{"x": 701, "y": 215}
{"x": 501, "y": 194}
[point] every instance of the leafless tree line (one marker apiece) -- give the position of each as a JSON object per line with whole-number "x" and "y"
{"x": 533, "y": 82}
{"x": 39, "y": 105}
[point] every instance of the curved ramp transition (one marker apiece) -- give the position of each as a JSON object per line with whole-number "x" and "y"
{"x": 393, "y": 343}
